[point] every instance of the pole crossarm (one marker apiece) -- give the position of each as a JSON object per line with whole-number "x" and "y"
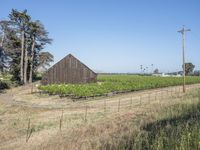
{"x": 184, "y": 30}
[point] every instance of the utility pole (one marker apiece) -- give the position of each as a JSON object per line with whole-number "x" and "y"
{"x": 152, "y": 68}
{"x": 183, "y": 31}
{"x": 141, "y": 68}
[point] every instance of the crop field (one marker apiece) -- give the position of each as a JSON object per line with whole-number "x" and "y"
{"x": 115, "y": 84}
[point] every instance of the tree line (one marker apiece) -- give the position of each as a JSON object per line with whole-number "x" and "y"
{"x": 21, "y": 43}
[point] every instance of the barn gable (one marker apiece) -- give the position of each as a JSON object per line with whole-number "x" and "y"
{"x": 69, "y": 70}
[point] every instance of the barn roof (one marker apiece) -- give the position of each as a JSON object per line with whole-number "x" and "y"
{"x": 68, "y": 56}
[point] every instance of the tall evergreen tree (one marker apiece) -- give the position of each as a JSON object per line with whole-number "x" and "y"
{"x": 45, "y": 58}
{"x": 21, "y": 43}
{"x": 4, "y": 30}
{"x": 21, "y": 20}
{"x": 3, "y": 60}
{"x": 39, "y": 38}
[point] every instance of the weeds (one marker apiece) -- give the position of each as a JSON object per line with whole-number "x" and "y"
{"x": 177, "y": 127}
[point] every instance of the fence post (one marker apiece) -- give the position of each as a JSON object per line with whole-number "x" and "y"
{"x": 119, "y": 105}
{"x": 131, "y": 102}
{"x": 29, "y": 130}
{"x": 86, "y": 113}
{"x": 159, "y": 97}
{"x": 171, "y": 92}
{"x": 149, "y": 96}
{"x": 155, "y": 96}
{"x": 61, "y": 120}
{"x": 179, "y": 91}
{"x": 104, "y": 106}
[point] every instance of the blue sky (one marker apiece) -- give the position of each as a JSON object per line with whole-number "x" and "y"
{"x": 117, "y": 35}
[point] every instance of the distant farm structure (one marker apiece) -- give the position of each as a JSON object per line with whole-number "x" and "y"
{"x": 69, "y": 70}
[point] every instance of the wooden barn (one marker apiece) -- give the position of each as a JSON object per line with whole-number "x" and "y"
{"x": 69, "y": 70}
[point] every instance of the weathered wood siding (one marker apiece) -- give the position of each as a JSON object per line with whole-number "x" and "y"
{"x": 69, "y": 70}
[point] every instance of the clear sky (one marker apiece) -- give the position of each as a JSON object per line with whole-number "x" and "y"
{"x": 118, "y": 35}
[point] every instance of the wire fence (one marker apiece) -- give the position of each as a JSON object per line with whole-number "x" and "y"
{"x": 141, "y": 99}
{"x": 131, "y": 101}
{"x": 89, "y": 110}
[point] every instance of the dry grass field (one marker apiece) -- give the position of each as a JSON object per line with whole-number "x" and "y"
{"x": 38, "y": 121}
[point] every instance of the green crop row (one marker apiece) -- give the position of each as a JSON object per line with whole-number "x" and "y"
{"x": 115, "y": 84}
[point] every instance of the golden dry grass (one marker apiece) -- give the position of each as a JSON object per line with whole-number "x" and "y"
{"x": 105, "y": 122}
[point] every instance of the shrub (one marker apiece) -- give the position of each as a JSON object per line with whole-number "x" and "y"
{"x": 4, "y": 85}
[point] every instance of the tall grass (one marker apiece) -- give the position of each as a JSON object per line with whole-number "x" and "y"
{"x": 152, "y": 127}
{"x": 176, "y": 127}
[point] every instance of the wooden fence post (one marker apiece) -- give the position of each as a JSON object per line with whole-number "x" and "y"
{"x": 86, "y": 109}
{"x": 29, "y": 130}
{"x": 131, "y": 102}
{"x": 159, "y": 97}
{"x": 179, "y": 91}
{"x": 119, "y": 105}
{"x": 171, "y": 92}
{"x": 149, "y": 96}
{"x": 155, "y": 96}
{"x": 61, "y": 120}
{"x": 105, "y": 106}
